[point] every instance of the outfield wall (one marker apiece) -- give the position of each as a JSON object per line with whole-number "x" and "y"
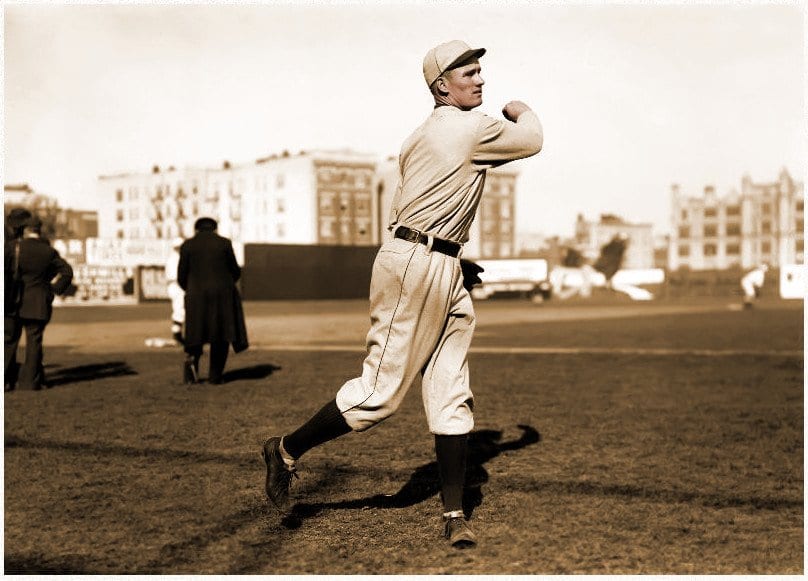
{"x": 282, "y": 272}
{"x": 695, "y": 283}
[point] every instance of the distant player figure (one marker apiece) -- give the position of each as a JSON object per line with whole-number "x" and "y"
{"x": 751, "y": 284}
{"x": 175, "y": 292}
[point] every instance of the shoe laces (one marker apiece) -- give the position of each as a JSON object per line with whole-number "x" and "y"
{"x": 288, "y": 472}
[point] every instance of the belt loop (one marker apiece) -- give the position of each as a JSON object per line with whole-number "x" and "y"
{"x": 429, "y": 241}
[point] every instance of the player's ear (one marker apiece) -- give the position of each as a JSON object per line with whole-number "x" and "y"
{"x": 440, "y": 84}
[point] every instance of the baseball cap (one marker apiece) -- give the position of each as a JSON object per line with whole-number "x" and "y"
{"x": 444, "y": 56}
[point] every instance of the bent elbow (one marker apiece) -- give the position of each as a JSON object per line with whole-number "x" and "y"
{"x": 538, "y": 143}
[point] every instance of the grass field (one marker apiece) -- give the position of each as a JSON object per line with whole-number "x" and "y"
{"x": 610, "y": 438}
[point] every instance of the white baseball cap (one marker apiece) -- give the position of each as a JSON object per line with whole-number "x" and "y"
{"x": 444, "y": 56}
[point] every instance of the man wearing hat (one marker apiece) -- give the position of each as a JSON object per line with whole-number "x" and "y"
{"x": 422, "y": 317}
{"x": 34, "y": 274}
{"x": 207, "y": 272}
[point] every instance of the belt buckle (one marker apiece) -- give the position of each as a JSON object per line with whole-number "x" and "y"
{"x": 413, "y": 235}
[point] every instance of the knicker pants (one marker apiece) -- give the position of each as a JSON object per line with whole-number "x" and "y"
{"x": 422, "y": 322}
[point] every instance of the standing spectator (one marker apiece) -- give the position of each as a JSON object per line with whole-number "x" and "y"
{"x": 751, "y": 284}
{"x": 208, "y": 272}
{"x": 175, "y": 292}
{"x": 34, "y": 273}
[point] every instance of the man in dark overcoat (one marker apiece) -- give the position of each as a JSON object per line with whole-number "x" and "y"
{"x": 208, "y": 272}
{"x": 34, "y": 273}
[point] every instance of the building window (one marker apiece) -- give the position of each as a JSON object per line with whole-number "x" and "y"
{"x": 734, "y": 210}
{"x": 504, "y": 249}
{"x": 766, "y": 227}
{"x": 800, "y": 205}
{"x": 505, "y": 210}
{"x": 800, "y": 244}
{"x": 710, "y": 230}
{"x": 326, "y": 228}
{"x": 345, "y": 229}
{"x": 800, "y": 226}
{"x": 710, "y": 213}
{"x": 766, "y": 209}
{"x": 733, "y": 249}
{"x": 119, "y": 216}
{"x": 684, "y": 232}
{"x": 280, "y": 205}
{"x": 119, "y": 234}
{"x": 119, "y": 195}
{"x": 684, "y": 250}
{"x": 710, "y": 250}
{"x": 765, "y": 247}
{"x": 280, "y": 180}
{"x": 327, "y": 202}
{"x": 488, "y": 227}
{"x": 684, "y": 215}
{"x": 733, "y": 229}
{"x": 362, "y": 205}
{"x": 281, "y": 229}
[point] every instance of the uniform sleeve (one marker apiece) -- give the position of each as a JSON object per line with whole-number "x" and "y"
{"x": 501, "y": 141}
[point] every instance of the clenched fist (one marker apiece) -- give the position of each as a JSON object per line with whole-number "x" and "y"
{"x": 512, "y": 110}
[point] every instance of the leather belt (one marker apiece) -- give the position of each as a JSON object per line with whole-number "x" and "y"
{"x": 438, "y": 244}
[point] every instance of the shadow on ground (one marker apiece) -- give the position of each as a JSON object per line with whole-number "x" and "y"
{"x": 38, "y": 564}
{"x": 261, "y": 371}
{"x": 484, "y": 445}
{"x": 91, "y": 372}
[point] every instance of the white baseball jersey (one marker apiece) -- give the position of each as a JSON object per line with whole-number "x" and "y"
{"x": 422, "y": 318}
{"x": 175, "y": 293}
{"x": 442, "y": 167}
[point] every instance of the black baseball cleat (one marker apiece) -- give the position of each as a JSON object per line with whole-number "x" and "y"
{"x": 279, "y": 474}
{"x": 459, "y": 533}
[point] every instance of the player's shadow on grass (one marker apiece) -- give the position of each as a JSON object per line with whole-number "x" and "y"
{"x": 91, "y": 372}
{"x": 261, "y": 371}
{"x": 483, "y": 446}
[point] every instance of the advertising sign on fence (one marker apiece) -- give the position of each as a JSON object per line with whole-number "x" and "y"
{"x": 132, "y": 253}
{"x": 152, "y": 283}
{"x": 100, "y": 285}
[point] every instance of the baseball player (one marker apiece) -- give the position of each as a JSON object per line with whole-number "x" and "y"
{"x": 422, "y": 317}
{"x": 751, "y": 284}
{"x": 175, "y": 292}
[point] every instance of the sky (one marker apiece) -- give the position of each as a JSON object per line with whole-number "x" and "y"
{"x": 633, "y": 97}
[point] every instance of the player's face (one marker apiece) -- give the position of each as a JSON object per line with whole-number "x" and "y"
{"x": 465, "y": 86}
